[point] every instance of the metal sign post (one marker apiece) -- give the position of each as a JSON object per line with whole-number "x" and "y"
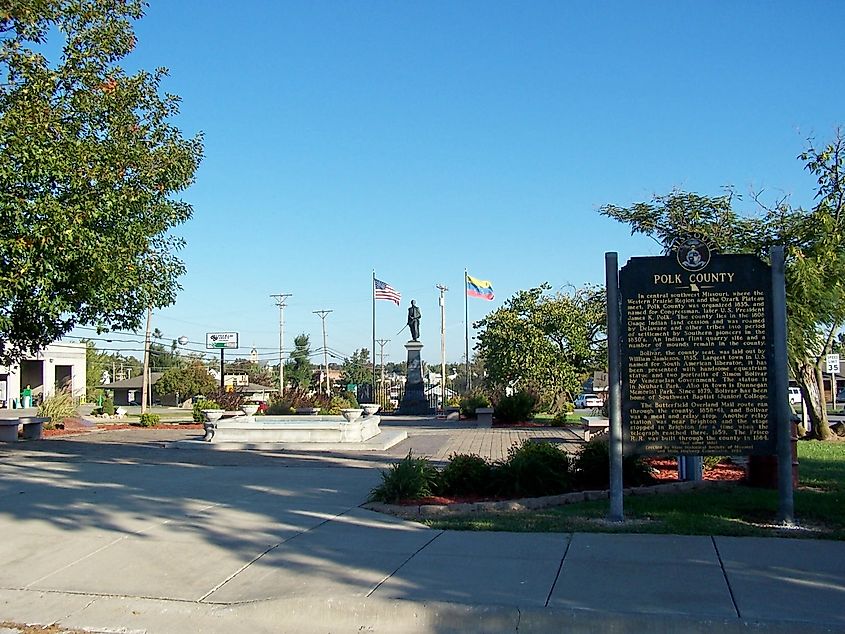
{"x": 833, "y": 370}
{"x": 611, "y": 265}
{"x": 221, "y": 341}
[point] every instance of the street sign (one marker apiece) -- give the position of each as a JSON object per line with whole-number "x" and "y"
{"x": 833, "y": 364}
{"x": 217, "y": 340}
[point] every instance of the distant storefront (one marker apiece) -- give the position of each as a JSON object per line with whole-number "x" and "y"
{"x": 59, "y": 366}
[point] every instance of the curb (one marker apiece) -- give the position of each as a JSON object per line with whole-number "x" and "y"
{"x": 526, "y": 504}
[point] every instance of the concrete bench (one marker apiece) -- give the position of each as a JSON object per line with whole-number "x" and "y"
{"x": 594, "y": 425}
{"x": 33, "y": 428}
{"x": 484, "y": 416}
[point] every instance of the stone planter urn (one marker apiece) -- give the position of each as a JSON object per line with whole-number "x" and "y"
{"x": 351, "y": 414}
{"x": 213, "y": 415}
{"x": 370, "y": 408}
{"x": 249, "y": 408}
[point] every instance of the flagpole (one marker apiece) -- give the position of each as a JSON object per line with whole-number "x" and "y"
{"x": 466, "y": 331}
{"x": 373, "y": 349}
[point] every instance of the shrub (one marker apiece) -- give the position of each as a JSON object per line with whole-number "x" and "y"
{"x": 533, "y": 469}
{"x": 331, "y": 405}
{"x": 150, "y": 420}
{"x": 470, "y": 402}
{"x": 409, "y": 479}
{"x": 230, "y": 401}
{"x": 711, "y": 461}
{"x": 592, "y": 467}
{"x": 108, "y": 406}
{"x": 466, "y": 474}
{"x": 57, "y": 407}
{"x": 351, "y": 398}
{"x": 517, "y": 407}
{"x": 292, "y": 400}
{"x": 201, "y": 405}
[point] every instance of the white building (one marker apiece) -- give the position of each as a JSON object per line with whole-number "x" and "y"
{"x": 60, "y": 365}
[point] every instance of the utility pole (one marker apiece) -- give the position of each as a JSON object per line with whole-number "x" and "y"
{"x": 322, "y": 314}
{"x": 442, "y": 290}
{"x": 145, "y": 386}
{"x": 281, "y": 298}
{"x": 381, "y": 343}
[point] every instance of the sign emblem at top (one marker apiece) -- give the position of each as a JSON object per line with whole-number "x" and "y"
{"x": 692, "y": 252}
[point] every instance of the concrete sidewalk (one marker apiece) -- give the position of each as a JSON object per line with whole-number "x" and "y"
{"x": 108, "y": 535}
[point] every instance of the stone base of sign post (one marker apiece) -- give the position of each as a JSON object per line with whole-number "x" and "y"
{"x": 414, "y": 401}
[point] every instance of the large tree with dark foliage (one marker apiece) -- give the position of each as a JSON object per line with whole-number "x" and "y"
{"x": 89, "y": 166}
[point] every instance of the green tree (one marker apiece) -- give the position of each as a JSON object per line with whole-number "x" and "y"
{"x": 814, "y": 245}
{"x": 544, "y": 342}
{"x": 96, "y": 363}
{"x": 187, "y": 381}
{"x": 357, "y": 369}
{"x": 299, "y": 369}
{"x": 89, "y": 165}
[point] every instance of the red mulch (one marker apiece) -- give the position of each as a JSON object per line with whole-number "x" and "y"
{"x": 667, "y": 469}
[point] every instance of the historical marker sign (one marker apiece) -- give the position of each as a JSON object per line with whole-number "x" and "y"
{"x": 697, "y": 350}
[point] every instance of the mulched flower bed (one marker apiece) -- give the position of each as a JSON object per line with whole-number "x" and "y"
{"x": 667, "y": 469}
{"x": 663, "y": 470}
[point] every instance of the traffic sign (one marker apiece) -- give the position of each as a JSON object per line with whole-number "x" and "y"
{"x": 216, "y": 340}
{"x": 833, "y": 364}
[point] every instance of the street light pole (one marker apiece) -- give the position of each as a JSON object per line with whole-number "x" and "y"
{"x": 322, "y": 314}
{"x": 381, "y": 343}
{"x": 281, "y": 298}
{"x": 442, "y": 290}
{"x": 145, "y": 382}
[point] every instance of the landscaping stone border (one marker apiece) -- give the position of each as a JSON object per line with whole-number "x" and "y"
{"x": 419, "y": 511}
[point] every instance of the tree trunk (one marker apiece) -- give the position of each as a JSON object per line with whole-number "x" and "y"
{"x": 811, "y": 383}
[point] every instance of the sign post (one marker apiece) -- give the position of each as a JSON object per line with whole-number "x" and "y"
{"x": 833, "y": 370}
{"x": 221, "y": 341}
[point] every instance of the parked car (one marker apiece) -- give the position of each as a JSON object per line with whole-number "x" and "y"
{"x": 588, "y": 401}
{"x": 794, "y": 396}
{"x": 840, "y": 396}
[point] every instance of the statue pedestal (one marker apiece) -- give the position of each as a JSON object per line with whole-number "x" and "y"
{"x": 414, "y": 401}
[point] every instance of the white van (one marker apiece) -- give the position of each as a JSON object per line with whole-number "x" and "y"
{"x": 794, "y": 396}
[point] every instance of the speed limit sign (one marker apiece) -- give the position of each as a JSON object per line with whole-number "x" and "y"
{"x": 833, "y": 364}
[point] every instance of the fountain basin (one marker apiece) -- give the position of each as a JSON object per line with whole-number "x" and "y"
{"x": 292, "y": 429}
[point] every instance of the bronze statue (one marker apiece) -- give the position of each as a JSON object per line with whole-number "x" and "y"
{"x": 414, "y": 321}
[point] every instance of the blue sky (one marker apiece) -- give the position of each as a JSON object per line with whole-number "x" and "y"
{"x": 420, "y": 139}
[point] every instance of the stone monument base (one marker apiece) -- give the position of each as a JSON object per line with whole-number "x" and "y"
{"x": 414, "y": 401}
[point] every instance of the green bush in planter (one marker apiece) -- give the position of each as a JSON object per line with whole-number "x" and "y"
{"x": 466, "y": 474}
{"x": 108, "y": 406}
{"x": 516, "y": 408}
{"x": 471, "y": 402}
{"x": 533, "y": 469}
{"x": 150, "y": 420}
{"x": 198, "y": 416}
{"x": 409, "y": 479}
{"x": 592, "y": 467}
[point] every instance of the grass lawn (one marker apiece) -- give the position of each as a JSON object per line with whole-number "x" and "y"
{"x": 736, "y": 510}
{"x": 544, "y": 417}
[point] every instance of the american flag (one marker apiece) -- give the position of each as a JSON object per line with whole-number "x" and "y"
{"x": 386, "y": 291}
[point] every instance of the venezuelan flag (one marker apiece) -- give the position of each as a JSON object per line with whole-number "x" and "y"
{"x": 479, "y": 288}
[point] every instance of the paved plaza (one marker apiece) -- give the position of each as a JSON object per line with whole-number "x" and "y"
{"x": 120, "y": 531}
